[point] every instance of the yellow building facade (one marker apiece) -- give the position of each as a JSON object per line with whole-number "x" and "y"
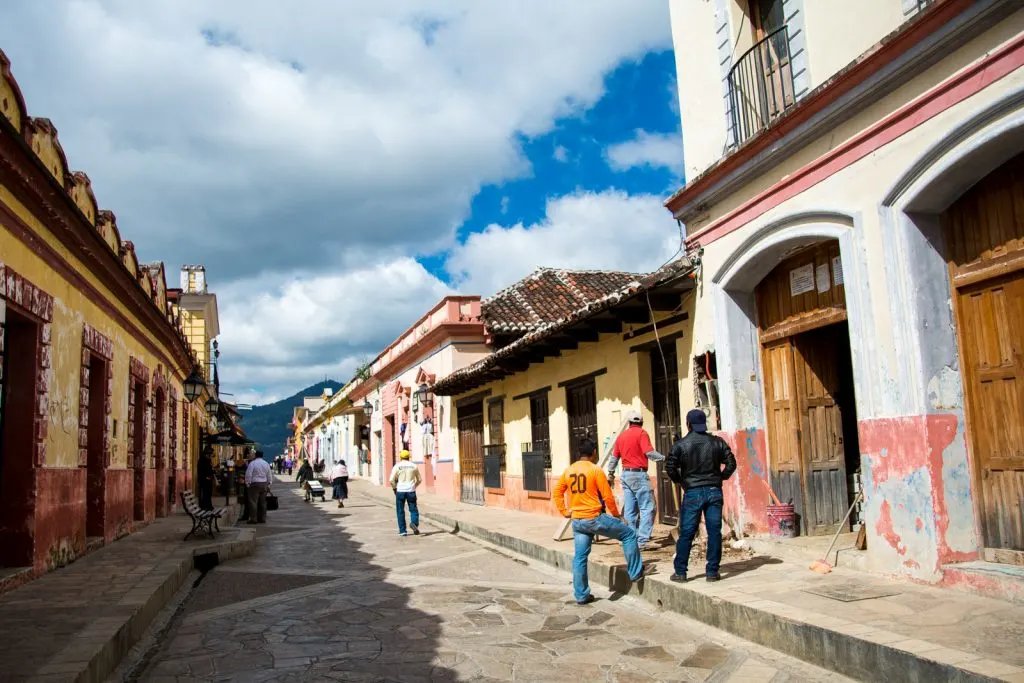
{"x": 96, "y": 433}
{"x": 524, "y": 409}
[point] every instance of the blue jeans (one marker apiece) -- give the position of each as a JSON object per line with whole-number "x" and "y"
{"x": 698, "y": 500}
{"x": 638, "y": 504}
{"x": 401, "y": 498}
{"x": 584, "y": 531}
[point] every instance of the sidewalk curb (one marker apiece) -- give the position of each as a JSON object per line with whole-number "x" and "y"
{"x": 830, "y": 648}
{"x": 97, "y": 650}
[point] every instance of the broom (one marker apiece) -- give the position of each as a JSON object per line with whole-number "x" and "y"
{"x": 822, "y": 566}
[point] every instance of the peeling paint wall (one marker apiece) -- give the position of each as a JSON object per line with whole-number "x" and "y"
{"x": 920, "y": 509}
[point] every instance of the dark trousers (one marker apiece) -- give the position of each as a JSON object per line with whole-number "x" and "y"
{"x": 257, "y": 494}
{"x": 340, "y": 488}
{"x": 706, "y": 500}
{"x": 206, "y": 494}
{"x": 401, "y": 499}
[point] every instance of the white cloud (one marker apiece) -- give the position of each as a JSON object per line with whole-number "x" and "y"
{"x": 504, "y": 204}
{"x": 288, "y": 332}
{"x": 606, "y": 230}
{"x": 561, "y": 154}
{"x": 654, "y": 150}
{"x": 304, "y": 156}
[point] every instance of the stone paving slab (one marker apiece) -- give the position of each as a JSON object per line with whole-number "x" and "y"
{"x": 926, "y": 634}
{"x": 433, "y": 607}
{"x": 76, "y": 623}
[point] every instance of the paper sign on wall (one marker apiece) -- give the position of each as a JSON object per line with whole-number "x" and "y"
{"x": 801, "y": 280}
{"x": 837, "y": 271}
{"x": 823, "y": 277}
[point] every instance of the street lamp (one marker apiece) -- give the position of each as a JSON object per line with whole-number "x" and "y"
{"x": 212, "y": 406}
{"x": 323, "y": 428}
{"x": 367, "y": 408}
{"x": 423, "y": 394}
{"x": 193, "y": 385}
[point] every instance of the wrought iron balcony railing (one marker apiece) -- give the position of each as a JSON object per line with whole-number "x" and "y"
{"x": 761, "y": 85}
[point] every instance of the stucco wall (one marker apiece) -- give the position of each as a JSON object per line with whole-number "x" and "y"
{"x": 914, "y": 455}
{"x": 624, "y": 386}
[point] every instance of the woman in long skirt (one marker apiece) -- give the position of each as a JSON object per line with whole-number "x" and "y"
{"x": 339, "y": 478}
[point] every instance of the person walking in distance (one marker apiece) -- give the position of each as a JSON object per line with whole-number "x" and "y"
{"x": 339, "y": 479}
{"x": 699, "y": 462}
{"x": 205, "y": 475}
{"x": 633, "y": 446}
{"x": 257, "y": 483}
{"x": 593, "y": 511}
{"x": 405, "y": 477}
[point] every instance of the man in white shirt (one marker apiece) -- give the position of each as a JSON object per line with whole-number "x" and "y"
{"x": 405, "y": 477}
{"x": 257, "y": 483}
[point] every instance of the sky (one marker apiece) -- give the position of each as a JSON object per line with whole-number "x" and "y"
{"x": 339, "y": 166}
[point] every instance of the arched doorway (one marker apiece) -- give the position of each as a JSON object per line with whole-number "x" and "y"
{"x": 807, "y": 376}
{"x": 983, "y": 232}
{"x": 138, "y": 436}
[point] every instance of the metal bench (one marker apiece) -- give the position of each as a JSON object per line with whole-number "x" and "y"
{"x": 201, "y": 519}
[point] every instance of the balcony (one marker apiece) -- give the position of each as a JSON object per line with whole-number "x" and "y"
{"x": 761, "y": 85}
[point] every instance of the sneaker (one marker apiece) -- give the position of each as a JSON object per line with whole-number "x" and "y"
{"x": 678, "y": 578}
{"x": 587, "y": 600}
{"x": 650, "y": 545}
{"x": 415, "y": 529}
{"x": 402, "y": 533}
{"x": 711, "y": 578}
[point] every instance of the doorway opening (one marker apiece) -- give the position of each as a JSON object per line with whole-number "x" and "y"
{"x": 139, "y": 453}
{"x": 665, "y": 392}
{"x": 96, "y": 474}
{"x": 808, "y": 376}
{"x": 984, "y": 236}
{"x": 581, "y": 406}
{"x": 471, "y": 453}
{"x": 158, "y": 443}
{"x": 17, "y": 446}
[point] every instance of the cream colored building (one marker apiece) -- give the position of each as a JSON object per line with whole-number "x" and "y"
{"x": 853, "y": 193}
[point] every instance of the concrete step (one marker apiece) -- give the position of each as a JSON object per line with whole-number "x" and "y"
{"x": 859, "y": 651}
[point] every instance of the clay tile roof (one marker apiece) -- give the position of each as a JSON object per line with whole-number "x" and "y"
{"x": 548, "y": 295}
{"x": 473, "y": 375}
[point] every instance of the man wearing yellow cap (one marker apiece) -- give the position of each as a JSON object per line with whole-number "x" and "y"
{"x": 405, "y": 477}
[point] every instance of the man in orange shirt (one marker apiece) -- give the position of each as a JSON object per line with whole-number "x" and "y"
{"x": 593, "y": 511}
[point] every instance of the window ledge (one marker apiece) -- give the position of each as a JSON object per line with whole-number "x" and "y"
{"x": 496, "y": 492}
{"x": 539, "y": 495}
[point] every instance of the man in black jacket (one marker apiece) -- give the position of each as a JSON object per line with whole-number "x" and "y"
{"x": 695, "y": 462}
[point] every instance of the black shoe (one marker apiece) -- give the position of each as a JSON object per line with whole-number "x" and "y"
{"x": 678, "y": 578}
{"x": 415, "y": 529}
{"x": 251, "y": 521}
{"x": 711, "y": 578}
{"x": 587, "y": 600}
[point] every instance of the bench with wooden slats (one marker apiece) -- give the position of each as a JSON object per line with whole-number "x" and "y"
{"x": 201, "y": 519}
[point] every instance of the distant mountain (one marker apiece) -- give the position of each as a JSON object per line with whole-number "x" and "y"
{"x": 267, "y": 425}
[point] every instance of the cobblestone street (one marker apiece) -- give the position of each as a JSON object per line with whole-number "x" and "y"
{"x": 335, "y": 594}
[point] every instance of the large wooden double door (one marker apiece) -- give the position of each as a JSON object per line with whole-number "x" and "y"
{"x": 984, "y": 232}
{"x": 807, "y": 429}
{"x": 808, "y": 385}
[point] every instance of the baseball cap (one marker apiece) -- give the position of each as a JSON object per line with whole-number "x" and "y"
{"x": 697, "y": 420}
{"x": 405, "y": 455}
{"x": 634, "y": 417}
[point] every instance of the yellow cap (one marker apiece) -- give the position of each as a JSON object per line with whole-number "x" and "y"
{"x": 405, "y": 455}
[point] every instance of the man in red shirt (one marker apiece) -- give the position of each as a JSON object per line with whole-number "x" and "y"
{"x": 633, "y": 446}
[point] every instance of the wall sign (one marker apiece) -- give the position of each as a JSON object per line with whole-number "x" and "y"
{"x": 837, "y": 271}
{"x": 801, "y": 280}
{"x": 824, "y": 279}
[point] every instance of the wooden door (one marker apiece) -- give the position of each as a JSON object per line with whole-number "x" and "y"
{"x": 994, "y": 366}
{"x": 816, "y": 364}
{"x": 471, "y": 453}
{"x": 782, "y": 413}
{"x": 984, "y": 232}
{"x": 581, "y": 406}
{"x": 665, "y": 390}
